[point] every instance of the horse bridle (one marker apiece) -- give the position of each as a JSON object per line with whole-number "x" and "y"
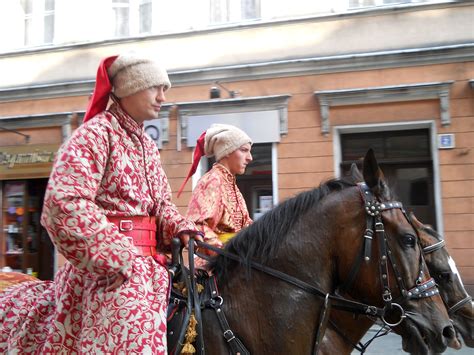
{"x": 458, "y": 305}
{"x": 375, "y": 228}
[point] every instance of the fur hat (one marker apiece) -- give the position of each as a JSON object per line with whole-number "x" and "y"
{"x": 222, "y": 139}
{"x": 130, "y": 74}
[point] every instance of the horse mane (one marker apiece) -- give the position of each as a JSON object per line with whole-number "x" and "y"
{"x": 261, "y": 240}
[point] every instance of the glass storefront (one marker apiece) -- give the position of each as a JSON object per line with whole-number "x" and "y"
{"x": 25, "y": 244}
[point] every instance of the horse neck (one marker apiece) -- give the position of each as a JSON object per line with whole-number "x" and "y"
{"x": 350, "y": 330}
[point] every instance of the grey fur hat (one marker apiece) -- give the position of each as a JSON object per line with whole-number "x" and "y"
{"x": 223, "y": 139}
{"x": 131, "y": 73}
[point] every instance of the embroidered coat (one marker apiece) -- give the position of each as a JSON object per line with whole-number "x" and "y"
{"x": 217, "y": 205}
{"x": 108, "y": 167}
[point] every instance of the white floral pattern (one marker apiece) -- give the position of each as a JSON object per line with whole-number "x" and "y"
{"x": 109, "y": 167}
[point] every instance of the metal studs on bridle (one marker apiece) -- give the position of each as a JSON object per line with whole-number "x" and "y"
{"x": 373, "y": 208}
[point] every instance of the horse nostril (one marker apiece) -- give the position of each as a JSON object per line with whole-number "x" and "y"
{"x": 450, "y": 335}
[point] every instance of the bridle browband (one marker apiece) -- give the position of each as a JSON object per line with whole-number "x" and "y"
{"x": 458, "y": 305}
{"x": 374, "y": 210}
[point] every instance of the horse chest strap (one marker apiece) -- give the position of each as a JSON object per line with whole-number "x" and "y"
{"x": 216, "y": 302}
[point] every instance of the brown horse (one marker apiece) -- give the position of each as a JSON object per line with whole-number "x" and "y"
{"x": 304, "y": 248}
{"x": 345, "y": 332}
{"x": 452, "y": 291}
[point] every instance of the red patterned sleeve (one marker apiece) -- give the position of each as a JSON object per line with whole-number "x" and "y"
{"x": 77, "y": 226}
{"x": 205, "y": 207}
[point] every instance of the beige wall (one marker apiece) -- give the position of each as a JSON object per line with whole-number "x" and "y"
{"x": 372, "y": 31}
{"x": 306, "y": 157}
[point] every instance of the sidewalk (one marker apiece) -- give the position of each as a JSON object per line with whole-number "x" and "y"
{"x": 391, "y": 344}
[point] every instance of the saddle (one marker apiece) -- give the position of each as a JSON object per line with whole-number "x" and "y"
{"x": 193, "y": 291}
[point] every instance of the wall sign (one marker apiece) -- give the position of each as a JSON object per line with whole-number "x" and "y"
{"x": 27, "y": 161}
{"x": 446, "y": 141}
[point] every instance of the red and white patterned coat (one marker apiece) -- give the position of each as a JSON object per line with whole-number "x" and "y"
{"x": 217, "y": 205}
{"x": 108, "y": 167}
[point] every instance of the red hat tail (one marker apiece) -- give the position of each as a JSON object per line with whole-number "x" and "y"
{"x": 198, "y": 153}
{"x": 103, "y": 87}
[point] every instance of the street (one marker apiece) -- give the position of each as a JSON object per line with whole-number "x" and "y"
{"x": 392, "y": 344}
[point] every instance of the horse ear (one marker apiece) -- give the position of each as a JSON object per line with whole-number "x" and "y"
{"x": 356, "y": 175}
{"x": 414, "y": 220}
{"x": 373, "y": 175}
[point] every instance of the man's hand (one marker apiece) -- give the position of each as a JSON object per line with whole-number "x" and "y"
{"x": 111, "y": 282}
{"x": 185, "y": 236}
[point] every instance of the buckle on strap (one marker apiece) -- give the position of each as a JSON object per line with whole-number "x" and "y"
{"x": 126, "y": 225}
{"x": 229, "y": 335}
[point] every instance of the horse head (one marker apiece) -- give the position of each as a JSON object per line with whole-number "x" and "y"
{"x": 312, "y": 243}
{"x": 444, "y": 271}
{"x": 394, "y": 274}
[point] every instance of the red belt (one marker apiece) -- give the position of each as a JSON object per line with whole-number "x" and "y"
{"x": 142, "y": 229}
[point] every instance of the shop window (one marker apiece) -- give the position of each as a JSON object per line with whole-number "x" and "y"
{"x": 405, "y": 158}
{"x": 24, "y": 244}
{"x": 38, "y": 21}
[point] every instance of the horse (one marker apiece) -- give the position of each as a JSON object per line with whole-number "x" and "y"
{"x": 274, "y": 282}
{"x": 344, "y": 332}
{"x": 452, "y": 291}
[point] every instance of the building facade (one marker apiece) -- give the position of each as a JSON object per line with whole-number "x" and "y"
{"x": 313, "y": 91}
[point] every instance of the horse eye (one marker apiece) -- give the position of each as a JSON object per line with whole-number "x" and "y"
{"x": 409, "y": 240}
{"x": 446, "y": 276}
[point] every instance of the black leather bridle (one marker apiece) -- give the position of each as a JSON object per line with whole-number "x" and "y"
{"x": 458, "y": 305}
{"x": 375, "y": 228}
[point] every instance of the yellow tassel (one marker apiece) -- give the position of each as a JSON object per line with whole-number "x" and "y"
{"x": 188, "y": 349}
{"x": 190, "y": 336}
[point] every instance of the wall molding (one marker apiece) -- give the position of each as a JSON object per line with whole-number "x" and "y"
{"x": 383, "y": 94}
{"x": 62, "y": 119}
{"x": 253, "y": 71}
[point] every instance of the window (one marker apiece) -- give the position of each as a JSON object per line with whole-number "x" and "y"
{"x": 405, "y": 159}
{"x": 27, "y": 6}
{"x": 121, "y": 10}
{"x": 145, "y": 16}
{"x": 132, "y": 17}
{"x": 354, "y": 4}
{"x": 38, "y": 21}
{"x": 224, "y": 11}
{"x": 48, "y": 21}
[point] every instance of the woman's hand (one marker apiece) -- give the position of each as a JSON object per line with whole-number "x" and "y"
{"x": 111, "y": 282}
